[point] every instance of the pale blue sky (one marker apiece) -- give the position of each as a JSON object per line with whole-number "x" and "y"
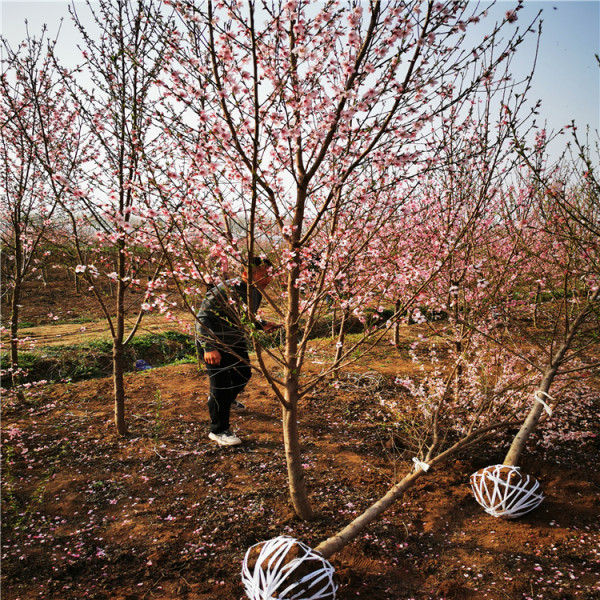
{"x": 567, "y": 76}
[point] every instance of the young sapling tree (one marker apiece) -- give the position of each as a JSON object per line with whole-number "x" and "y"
{"x": 124, "y": 53}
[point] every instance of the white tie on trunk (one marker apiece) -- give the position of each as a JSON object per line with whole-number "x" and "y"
{"x": 419, "y": 464}
{"x": 542, "y": 401}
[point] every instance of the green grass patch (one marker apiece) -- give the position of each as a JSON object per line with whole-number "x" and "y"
{"x": 76, "y": 320}
{"x": 94, "y": 359}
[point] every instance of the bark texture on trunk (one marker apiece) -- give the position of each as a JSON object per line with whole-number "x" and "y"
{"x": 339, "y": 349}
{"x": 397, "y": 307}
{"x": 15, "y": 306}
{"x": 293, "y": 456}
{"x": 14, "y": 329}
{"x": 119, "y": 353}
{"x": 119, "y": 386}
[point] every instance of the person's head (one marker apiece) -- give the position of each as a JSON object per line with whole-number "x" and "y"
{"x": 261, "y": 271}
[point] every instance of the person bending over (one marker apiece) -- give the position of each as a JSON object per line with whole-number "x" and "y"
{"x": 223, "y": 344}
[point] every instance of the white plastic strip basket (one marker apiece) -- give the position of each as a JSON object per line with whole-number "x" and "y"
{"x": 504, "y": 491}
{"x": 285, "y": 569}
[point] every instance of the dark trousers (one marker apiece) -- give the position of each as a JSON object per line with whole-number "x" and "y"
{"x": 227, "y": 380}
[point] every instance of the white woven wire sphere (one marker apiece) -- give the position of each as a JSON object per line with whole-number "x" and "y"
{"x": 286, "y": 569}
{"x": 505, "y": 492}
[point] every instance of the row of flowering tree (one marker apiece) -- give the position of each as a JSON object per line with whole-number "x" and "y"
{"x": 84, "y": 131}
{"x": 39, "y": 142}
{"x": 522, "y": 320}
{"x": 364, "y": 148}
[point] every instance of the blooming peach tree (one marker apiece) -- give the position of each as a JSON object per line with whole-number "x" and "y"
{"x": 298, "y": 132}
{"x": 123, "y": 53}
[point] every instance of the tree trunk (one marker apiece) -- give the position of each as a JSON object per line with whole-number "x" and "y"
{"x": 458, "y": 348}
{"x": 337, "y": 542}
{"x": 14, "y": 332}
{"x": 339, "y": 347}
{"x": 119, "y": 385}
{"x": 119, "y": 350}
{"x": 293, "y": 456}
{"x": 16, "y": 305}
{"x": 520, "y": 440}
{"x": 333, "y": 320}
{"x": 536, "y": 304}
{"x": 518, "y": 444}
{"x": 397, "y": 325}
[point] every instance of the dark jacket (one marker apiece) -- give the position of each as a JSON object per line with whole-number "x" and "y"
{"x": 222, "y": 313}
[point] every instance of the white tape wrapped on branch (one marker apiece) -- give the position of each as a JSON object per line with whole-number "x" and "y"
{"x": 419, "y": 464}
{"x": 542, "y": 401}
{"x": 274, "y": 576}
{"x": 504, "y": 491}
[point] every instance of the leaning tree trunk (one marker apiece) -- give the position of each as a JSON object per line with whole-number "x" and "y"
{"x": 520, "y": 440}
{"x": 339, "y": 540}
{"x": 518, "y": 444}
{"x": 336, "y": 542}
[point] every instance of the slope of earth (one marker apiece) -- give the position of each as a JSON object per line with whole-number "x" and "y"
{"x": 164, "y": 513}
{"x": 58, "y": 314}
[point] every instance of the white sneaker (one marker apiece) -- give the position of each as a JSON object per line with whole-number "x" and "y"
{"x": 225, "y": 438}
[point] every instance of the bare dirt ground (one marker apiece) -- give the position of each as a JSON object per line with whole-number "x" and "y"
{"x": 164, "y": 513}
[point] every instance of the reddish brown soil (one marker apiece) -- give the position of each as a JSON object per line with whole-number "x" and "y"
{"x": 164, "y": 513}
